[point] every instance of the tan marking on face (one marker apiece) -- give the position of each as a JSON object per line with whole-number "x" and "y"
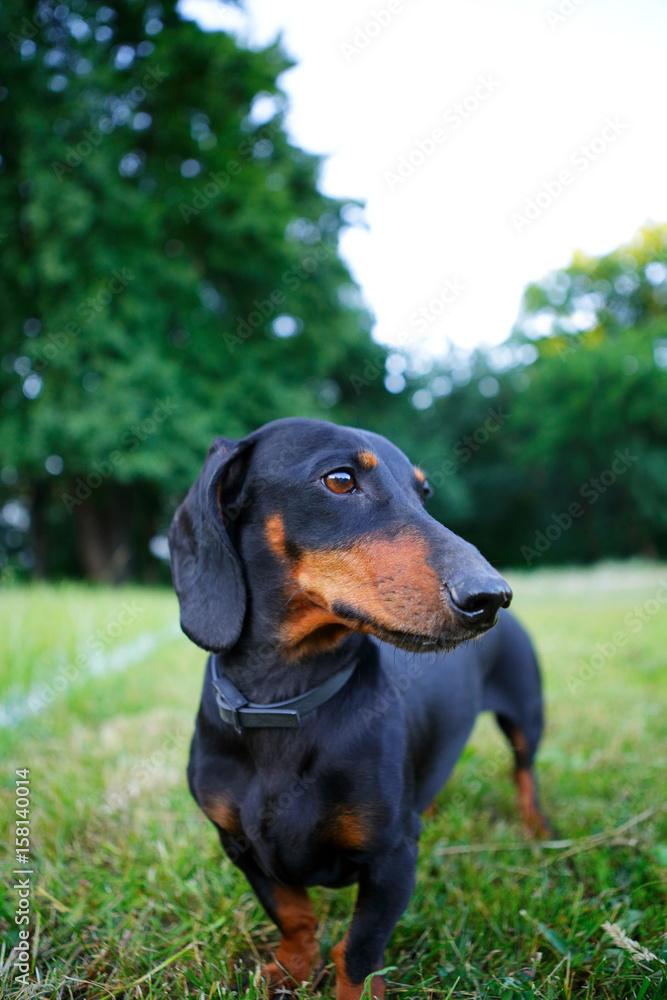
{"x": 419, "y": 473}
{"x": 367, "y": 459}
{"x": 309, "y": 629}
{"x": 298, "y": 949}
{"x": 387, "y": 580}
{"x": 275, "y": 535}
{"x": 223, "y": 813}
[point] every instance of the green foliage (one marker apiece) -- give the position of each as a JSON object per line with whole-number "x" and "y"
{"x": 579, "y": 392}
{"x": 170, "y": 270}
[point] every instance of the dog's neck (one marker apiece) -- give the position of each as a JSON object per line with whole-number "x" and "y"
{"x": 263, "y": 674}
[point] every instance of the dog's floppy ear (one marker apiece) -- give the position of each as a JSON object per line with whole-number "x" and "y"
{"x": 204, "y": 566}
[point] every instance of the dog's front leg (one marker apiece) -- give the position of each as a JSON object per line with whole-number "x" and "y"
{"x": 385, "y": 887}
{"x": 298, "y": 950}
{"x": 291, "y": 910}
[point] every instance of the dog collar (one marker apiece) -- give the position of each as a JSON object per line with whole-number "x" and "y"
{"x": 242, "y": 714}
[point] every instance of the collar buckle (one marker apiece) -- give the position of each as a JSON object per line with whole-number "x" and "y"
{"x": 229, "y": 700}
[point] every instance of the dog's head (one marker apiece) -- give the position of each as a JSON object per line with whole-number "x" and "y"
{"x": 306, "y": 531}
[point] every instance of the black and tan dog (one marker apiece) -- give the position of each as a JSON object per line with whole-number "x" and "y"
{"x": 304, "y": 560}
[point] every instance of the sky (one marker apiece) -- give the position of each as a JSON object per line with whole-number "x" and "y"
{"x": 488, "y": 141}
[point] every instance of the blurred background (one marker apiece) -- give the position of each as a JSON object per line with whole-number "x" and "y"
{"x": 442, "y": 222}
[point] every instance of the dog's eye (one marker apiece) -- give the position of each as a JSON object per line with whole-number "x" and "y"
{"x": 427, "y": 490}
{"x": 340, "y": 481}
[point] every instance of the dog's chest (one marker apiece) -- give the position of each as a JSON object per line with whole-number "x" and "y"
{"x": 303, "y": 835}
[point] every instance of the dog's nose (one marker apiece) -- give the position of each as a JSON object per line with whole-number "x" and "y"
{"x": 479, "y": 600}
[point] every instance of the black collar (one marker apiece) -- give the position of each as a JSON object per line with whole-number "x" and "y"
{"x": 240, "y": 713}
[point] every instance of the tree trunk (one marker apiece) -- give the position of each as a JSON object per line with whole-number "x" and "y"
{"x": 102, "y": 525}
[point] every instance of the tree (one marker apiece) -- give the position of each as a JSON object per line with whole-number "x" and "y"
{"x": 574, "y": 465}
{"x": 601, "y": 330}
{"x": 169, "y": 270}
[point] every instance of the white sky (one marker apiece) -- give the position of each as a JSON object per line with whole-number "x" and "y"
{"x": 451, "y": 220}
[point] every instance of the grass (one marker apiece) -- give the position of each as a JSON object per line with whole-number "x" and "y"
{"x": 131, "y": 897}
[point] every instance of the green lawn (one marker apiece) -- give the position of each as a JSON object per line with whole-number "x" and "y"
{"x": 130, "y": 892}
